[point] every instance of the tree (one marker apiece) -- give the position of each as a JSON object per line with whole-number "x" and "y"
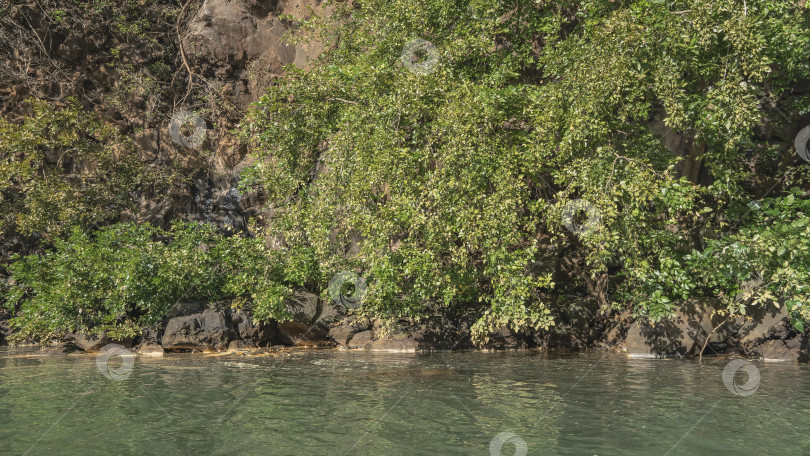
{"x": 451, "y": 139}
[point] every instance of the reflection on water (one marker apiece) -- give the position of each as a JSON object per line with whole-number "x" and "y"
{"x": 337, "y": 402}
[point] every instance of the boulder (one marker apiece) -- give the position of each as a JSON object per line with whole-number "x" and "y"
{"x": 361, "y": 340}
{"x": 776, "y": 350}
{"x": 150, "y": 349}
{"x": 308, "y": 308}
{"x": 397, "y": 342}
{"x": 341, "y": 333}
{"x": 762, "y": 322}
{"x": 251, "y": 333}
{"x": 92, "y": 343}
{"x": 680, "y": 335}
{"x": 239, "y": 345}
{"x": 209, "y": 330}
{"x": 295, "y": 333}
{"x": 505, "y": 339}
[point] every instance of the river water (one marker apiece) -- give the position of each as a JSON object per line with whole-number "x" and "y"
{"x": 329, "y": 402}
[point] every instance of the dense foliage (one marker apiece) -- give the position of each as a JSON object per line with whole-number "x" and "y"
{"x": 64, "y": 167}
{"x": 490, "y": 157}
{"x": 124, "y": 278}
{"x": 455, "y": 176}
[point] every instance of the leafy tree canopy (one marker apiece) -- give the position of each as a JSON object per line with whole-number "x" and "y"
{"x": 449, "y": 137}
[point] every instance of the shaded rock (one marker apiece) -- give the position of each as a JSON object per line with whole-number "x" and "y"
{"x": 150, "y": 350}
{"x": 763, "y": 323}
{"x": 776, "y": 350}
{"x": 207, "y": 330}
{"x": 239, "y": 345}
{"x": 434, "y": 333}
{"x": 150, "y": 337}
{"x": 91, "y": 343}
{"x": 441, "y": 332}
{"x": 681, "y": 335}
{"x": 295, "y": 333}
{"x": 58, "y": 349}
{"x": 341, "y": 333}
{"x": 5, "y": 330}
{"x": 361, "y": 340}
{"x": 308, "y": 308}
{"x": 505, "y": 339}
{"x": 304, "y": 307}
{"x": 615, "y": 334}
{"x": 398, "y": 341}
{"x": 185, "y": 308}
{"x": 252, "y": 333}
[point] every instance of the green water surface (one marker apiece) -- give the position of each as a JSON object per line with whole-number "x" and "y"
{"x": 330, "y": 402}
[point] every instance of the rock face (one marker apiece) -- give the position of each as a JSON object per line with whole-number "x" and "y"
{"x": 312, "y": 318}
{"x": 209, "y": 330}
{"x": 95, "y": 343}
{"x": 150, "y": 349}
{"x": 295, "y": 333}
{"x": 681, "y": 335}
{"x": 437, "y": 333}
{"x": 250, "y": 333}
{"x": 191, "y": 328}
{"x": 765, "y": 333}
{"x": 777, "y": 350}
{"x": 242, "y": 41}
{"x": 763, "y": 323}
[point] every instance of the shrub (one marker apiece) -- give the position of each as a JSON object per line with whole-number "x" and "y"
{"x": 454, "y": 173}
{"x": 124, "y": 278}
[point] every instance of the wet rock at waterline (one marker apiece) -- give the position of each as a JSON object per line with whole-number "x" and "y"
{"x": 150, "y": 349}
{"x": 209, "y": 330}
{"x": 92, "y": 343}
{"x": 777, "y": 350}
{"x": 251, "y": 333}
{"x": 296, "y": 333}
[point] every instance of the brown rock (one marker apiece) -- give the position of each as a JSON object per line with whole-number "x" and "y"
{"x": 761, "y": 323}
{"x": 398, "y": 341}
{"x": 150, "y": 350}
{"x": 253, "y": 333}
{"x": 362, "y": 340}
{"x": 681, "y": 335}
{"x": 92, "y": 343}
{"x": 295, "y": 333}
{"x": 204, "y": 331}
{"x": 778, "y": 351}
{"x": 341, "y": 333}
